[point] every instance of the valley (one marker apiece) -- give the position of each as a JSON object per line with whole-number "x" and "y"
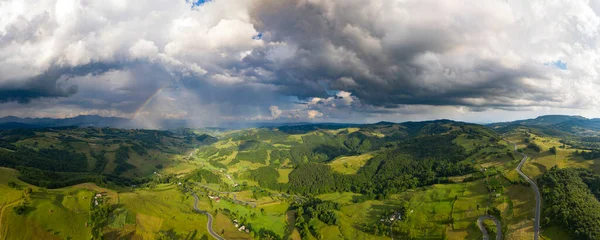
{"x": 415, "y": 180}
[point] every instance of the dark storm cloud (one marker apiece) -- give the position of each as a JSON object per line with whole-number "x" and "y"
{"x": 384, "y": 66}
{"x": 53, "y": 83}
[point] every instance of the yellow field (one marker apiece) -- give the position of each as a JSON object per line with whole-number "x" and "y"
{"x": 538, "y": 163}
{"x": 350, "y": 164}
{"x": 283, "y": 175}
{"x": 341, "y": 198}
{"x": 181, "y": 167}
{"x": 243, "y": 166}
{"x": 225, "y": 144}
{"x": 519, "y": 218}
{"x": 224, "y": 227}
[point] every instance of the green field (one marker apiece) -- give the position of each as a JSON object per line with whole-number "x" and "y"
{"x": 63, "y": 213}
{"x": 273, "y": 218}
{"x": 51, "y": 214}
{"x": 164, "y": 208}
{"x": 428, "y": 208}
{"x": 350, "y": 164}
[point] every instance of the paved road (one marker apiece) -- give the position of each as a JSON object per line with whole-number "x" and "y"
{"x": 484, "y": 230}
{"x": 210, "y": 219}
{"x": 538, "y": 199}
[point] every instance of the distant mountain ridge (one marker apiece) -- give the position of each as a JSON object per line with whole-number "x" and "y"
{"x": 555, "y": 125}
{"x": 549, "y": 124}
{"x": 79, "y": 121}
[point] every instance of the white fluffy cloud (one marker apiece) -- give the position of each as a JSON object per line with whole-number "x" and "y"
{"x": 344, "y": 59}
{"x": 314, "y": 114}
{"x": 275, "y": 112}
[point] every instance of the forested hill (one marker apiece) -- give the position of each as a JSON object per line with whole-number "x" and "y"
{"x": 571, "y": 201}
{"x": 395, "y": 156}
{"x": 384, "y": 157}
{"x": 57, "y": 157}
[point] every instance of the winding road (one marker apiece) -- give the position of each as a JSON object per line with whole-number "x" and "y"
{"x": 210, "y": 219}
{"x": 484, "y": 230}
{"x": 538, "y": 200}
{"x": 538, "y": 203}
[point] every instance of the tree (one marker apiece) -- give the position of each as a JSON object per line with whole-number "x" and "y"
{"x": 21, "y": 208}
{"x": 553, "y": 150}
{"x": 495, "y": 212}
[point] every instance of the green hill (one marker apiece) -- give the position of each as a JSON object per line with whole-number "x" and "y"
{"x": 344, "y": 177}
{"x": 58, "y": 157}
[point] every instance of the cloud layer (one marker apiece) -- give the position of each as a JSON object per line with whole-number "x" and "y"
{"x": 287, "y": 60}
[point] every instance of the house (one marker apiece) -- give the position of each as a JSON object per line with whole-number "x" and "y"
{"x": 247, "y": 230}
{"x": 217, "y": 199}
{"x": 236, "y": 225}
{"x": 98, "y": 195}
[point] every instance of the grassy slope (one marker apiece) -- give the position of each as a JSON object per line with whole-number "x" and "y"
{"x": 62, "y": 213}
{"x": 163, "y": 208}
{"x": 350, "y": 164}
{"x": 427, "y": 208}
{"x": 86, "y": 141}
{"x": 52, "y": 214}
{"x": 273, "y": 219}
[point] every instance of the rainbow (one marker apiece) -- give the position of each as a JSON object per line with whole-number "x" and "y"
{"x": 141, "y": 107}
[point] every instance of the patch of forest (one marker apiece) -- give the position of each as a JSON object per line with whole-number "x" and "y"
{"x": 415, "y": 162}
{"x": 571, "y": 201}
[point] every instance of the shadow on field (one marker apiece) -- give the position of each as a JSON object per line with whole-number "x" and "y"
{"x": 541, "y": 167}
{"x": 28, "y": 209}
{"x": 118, "y": 234}
{"x": 473, "y": 232}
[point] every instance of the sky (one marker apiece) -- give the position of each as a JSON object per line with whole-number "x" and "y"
{"x": 207, "y": 62}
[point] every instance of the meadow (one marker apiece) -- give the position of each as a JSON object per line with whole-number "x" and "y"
{"x": 50, "y": 214}
{"x": 349, "y": 164}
